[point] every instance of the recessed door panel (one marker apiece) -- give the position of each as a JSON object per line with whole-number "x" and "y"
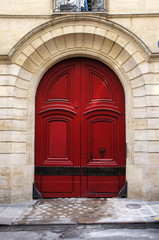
{"x": 101, "y": 137}
{"x": 56, "y": 92}
{"x": 80, "y": 131}
{"x": 102, "y": 184}
{"x": 58, "y": 139}
{"x": 57, "y": 184}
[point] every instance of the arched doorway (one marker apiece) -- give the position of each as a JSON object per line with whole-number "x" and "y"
{"x": 80, "y": 148}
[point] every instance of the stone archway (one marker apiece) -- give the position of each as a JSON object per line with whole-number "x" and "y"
{"x": 91, "y": 37}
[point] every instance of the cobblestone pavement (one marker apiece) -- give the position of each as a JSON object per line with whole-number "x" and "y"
{"x": 89, "y": 211}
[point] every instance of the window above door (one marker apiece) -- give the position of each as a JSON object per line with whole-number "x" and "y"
{"x": 64, "y": 6}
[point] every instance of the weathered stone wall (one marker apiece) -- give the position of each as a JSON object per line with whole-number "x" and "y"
{"x": 29, "y": 52}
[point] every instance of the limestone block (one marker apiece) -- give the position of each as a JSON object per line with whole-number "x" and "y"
{"x": 17, "y": 194}
{"x": 140, "y": 158}
{"x": 18, "y": 176}
{"x": 121, "y": 41}
{"x": 21, "y": 93}
{"x": 153, "y": 159}
{"x": 140, "y": 112}
{"x": 79, "y": 29}
{"x": 37, "y": 43}
{"x": 137, "y": 181}
{"x": 27, "y": 193}
{"x": 152, "y": 101}
{"x": 9, "y": 147}
{"x": 19, "y": 124}
{"x": 154, "y": 146}
{"x": 9, "y": 69}
{"x": 111, "y": 36}
{"x": 19, "y": 114}
{"x": 153, "y": 112}
{"x": 44, "y": 53}
{"x": 28, "y": 50}
{"x": 26, "y": 7}
{"x": 139, "y": 91}
{"x": 88, "y": 40}
{"x": 134, "y": 73}
{"x": 140, "y": 101}
{"x": 6, "y": 91}
{"x": 51, "y": 46}
{"x": 154, "y": 182}
{"x": 136, "y": 6}
{"x": 10, "y": 136}
{"x": 129, "y": 64}
{"x": 6, "y": 102}
{"x": 145, "y": 67}
{"x": 20, "y": 103}
{"x": 138, "y": 58}
{"x": 20, "y": 59}
{"x": 46, "y": 36}
{"x": 6, "y": 177}
{"x": 137, "y": 82}
{"x": 141, "y": 146}
{"x": 21, "y": 83}
{"x": 30, "y": 66}
{"x": 68, "y": 30}
{"x": 89, "y": 30}
{"x": 7, "y": 80}
{"x": 12, "y": 125}
{"x": 153, "y": 123}
{"x": 57, "y": 32}
{"x": 115, "y": 50}
{"x": 107, "y": 45}
{"x": 155, "y": 67}
{"x": 123, "y": 57}
{"x": 152, "y": 89}
{"x": 60, "y": 43}
{"x": 13, "y": 159}
{"x": 6, "y": 113}
{"x": 98, "y": 41}
{"x": 150, "y": 78}
{"x": 36, "y": 58}
{"x": 70, "y": 41}
{"x": 29, "y": 175}
{"x": 141, "y": 134}
{"x": 140, "y": 123}
{"x": 24, "y": 74}
{"x": 101, "y": 32}
{"x": 153, "y": 134}
{"x": 5, "y": 124}
{"x": 130, "y": 49}
{"x": 79, "y": 38}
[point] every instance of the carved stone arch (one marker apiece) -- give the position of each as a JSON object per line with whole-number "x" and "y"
{"x": 91, "y": 37}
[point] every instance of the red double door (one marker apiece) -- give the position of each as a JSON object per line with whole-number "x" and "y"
{"x": 80, "y": 131}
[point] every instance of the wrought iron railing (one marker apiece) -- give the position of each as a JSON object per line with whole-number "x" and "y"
{"x": 79, "y": 5}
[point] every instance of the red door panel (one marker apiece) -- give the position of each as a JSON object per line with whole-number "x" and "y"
{"x": 80, "y": 131}
{"x": 102, "y": 184}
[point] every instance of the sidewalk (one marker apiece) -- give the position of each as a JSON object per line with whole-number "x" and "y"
{"x": 79, "y": 211}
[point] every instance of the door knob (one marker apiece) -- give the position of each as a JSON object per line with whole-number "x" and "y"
{"x": 102, "y": 152}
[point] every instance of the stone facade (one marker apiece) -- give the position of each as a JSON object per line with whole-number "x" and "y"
{"x": 33, "y": 39}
